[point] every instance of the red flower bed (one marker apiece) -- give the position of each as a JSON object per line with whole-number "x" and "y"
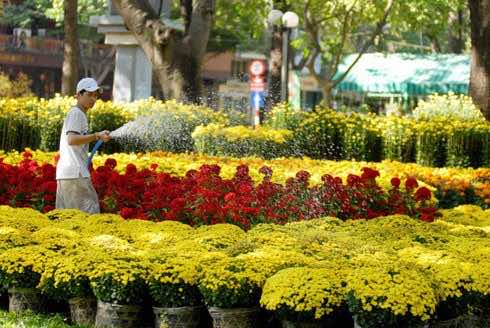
{"x": 204, "y": 197}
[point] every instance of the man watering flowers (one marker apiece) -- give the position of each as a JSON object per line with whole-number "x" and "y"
{"x": 74, "y": 186}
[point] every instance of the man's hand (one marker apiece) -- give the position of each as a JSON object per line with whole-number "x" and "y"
{"x": 104, "y": 135}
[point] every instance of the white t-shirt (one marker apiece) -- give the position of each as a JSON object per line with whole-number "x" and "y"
{"x": 73, "y": 159}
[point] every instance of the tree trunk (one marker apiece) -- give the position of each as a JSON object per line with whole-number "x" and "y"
{"x": 71, "y": 48}
{"x": 274, "y": 94}
{"x": 176, "y": 57}
{"x": 456, "y": 32}
{"x": 327, "y": 89}
{"x": 480, "y": 54}
{"x": 434, "y": 44}
{"x": 275, "y": 60}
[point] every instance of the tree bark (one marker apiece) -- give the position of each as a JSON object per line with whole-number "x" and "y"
{"x": 275, "y": 60}
{"x": 71, "y": 49}
{"x": 274, "y": 94}
{"x": 480, "y": 54}
{"x": 456, "y": 32}
{"x": 435, "y": 45}
{"x": 327, "y": 89}
{"x": 176, "y": 57}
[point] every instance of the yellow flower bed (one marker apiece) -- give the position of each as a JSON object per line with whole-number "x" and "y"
{"x": 395, "y": 263}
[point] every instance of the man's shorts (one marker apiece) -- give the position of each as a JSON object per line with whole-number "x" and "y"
{"x": 77, "y": 193}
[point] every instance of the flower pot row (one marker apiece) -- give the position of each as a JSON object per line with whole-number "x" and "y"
{"x": 90, "y": 311}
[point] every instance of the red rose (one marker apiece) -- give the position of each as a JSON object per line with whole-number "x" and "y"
{"x": 369, "y": 174}
{"x": 241, "y": 170}
{"x": 395, "y": 182}
{"x": 266, "y": 170}
{"x": 422, "y": 194}
{"x": 127, "y": 212}
{"x": 230, "y": 196}
{"x": 244, "y": 189}
{"x": 27, "y": 155}
{"x": 131, "y": 169}
{"x": 110, "y": 163}
{"x": 303, "y": 176}
{"x": 48, "y": 208}
{"x": 49, "y": 186}
{"x": 48, "y": 198}
{"x": 353, "y": 179}
{"x": 428, "y": 214}
{"x": 177, "y": 204}
{"x": 411, "y": 183}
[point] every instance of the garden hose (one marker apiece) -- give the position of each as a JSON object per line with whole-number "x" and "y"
{"x": 94, "y": 150}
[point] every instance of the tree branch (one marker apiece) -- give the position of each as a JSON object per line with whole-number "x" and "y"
{"x": 332, "y": 69}
{"x": 202, "y": 19}
{"x": 376, "y": 32}
{"x": 143, "y": 21}
{"x": 186, "y": 13}
{"x": 314, "y": 43}
{"x": 302, "y": 63}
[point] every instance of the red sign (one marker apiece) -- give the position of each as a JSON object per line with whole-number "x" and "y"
{"x": 257, "y": 67}
{"x": 257, "y": 83}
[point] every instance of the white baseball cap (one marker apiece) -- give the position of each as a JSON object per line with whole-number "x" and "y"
{"x": 88, "y": 84}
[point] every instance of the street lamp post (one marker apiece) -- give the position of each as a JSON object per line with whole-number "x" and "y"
{"x": 287, "y": 21}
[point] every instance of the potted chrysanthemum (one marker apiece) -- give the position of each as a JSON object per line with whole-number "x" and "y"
{"x": 20, "y": 272}
{"x": 118, "y": 283}
{"x": 389, "y": 294}
{"x": 308, "y": 297}
{"x": 230, "y": 292}
{"x": 172, "y": 283}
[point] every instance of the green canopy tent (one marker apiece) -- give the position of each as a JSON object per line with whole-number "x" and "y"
{"x": 406, "y": 75}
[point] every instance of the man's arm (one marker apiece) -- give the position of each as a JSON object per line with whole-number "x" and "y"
{"x": 75, "y": 139}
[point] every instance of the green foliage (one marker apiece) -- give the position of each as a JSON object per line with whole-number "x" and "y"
{"x": 32, "y": 320}
{"x": 461, "y": 145}
{"x": 241, "y": 141}
{"x": 86, "y": 8}
{"x": 361, "y": 139}
{"x": 429, "y": 20}
{"x": 174, "y": 295}
{"x": 320, "y": 134}
{"x": 379, "y": 317}
{"x": 167, "y": 126}
{"x": 246, "y": 295}
{"x": 398, "y": 135}
{"x": 283, "y": 116}
{"x": 111, "y": 290}
{"x": 23, "y": 14}
{"x": 431, "y": 144}
{"x": 237, "y": 23}
{"x": 453, "y": 198}
{"x": 25, "y": 279}
{"x": 33, "y": 12}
